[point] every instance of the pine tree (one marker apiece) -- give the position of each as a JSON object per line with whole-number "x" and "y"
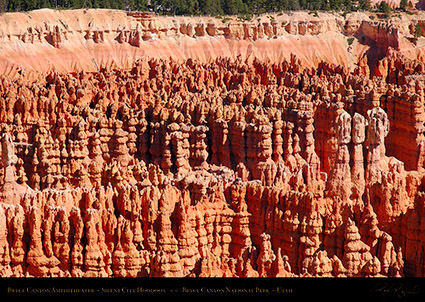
{"x": 383, "y": 7}
{"x": 167, "y": 6}
{"x": 317, "y": 4}
{"x": 348, "y": 5}
{"x": 3, "y": 6}
{"x": 303, "y": 4}
{"x": 335, "y": 4}
{"x": 283, "y": 5}
{"x": 117, "y": 4}
{"x": 234, "y": 7}
{"x": 105, "y": 4}
{"x": 128, "y": 4}
{"x": 295, "y": 5}
{"x": 364, "y": 4}
{"x": 418, "y": 31}
{"x": 254, "y": 6}
{"x": 95, "y": 4}
{"x": 76, "y": 4}
{"x": 140, "y": 5}
{"x": 210, "y": 7}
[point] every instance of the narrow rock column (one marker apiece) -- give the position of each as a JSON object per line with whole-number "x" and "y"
{"x": 339, "y": 182}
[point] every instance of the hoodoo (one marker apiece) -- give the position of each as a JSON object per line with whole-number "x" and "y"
{"x": 139, "y": 145}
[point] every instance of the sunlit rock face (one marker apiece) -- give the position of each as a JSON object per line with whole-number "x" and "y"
{"x": 234, "y": 166}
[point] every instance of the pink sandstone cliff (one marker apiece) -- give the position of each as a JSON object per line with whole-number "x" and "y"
{"x": 220, "y": 166}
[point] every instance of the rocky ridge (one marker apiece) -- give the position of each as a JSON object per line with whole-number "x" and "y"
{"x": 229, "y": 168}
{"x": 77, "y": 40}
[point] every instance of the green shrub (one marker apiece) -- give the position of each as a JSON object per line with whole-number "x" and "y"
{"x": 418, "y": 31}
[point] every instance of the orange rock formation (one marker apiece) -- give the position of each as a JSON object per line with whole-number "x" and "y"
{"x": 218, "y": 165}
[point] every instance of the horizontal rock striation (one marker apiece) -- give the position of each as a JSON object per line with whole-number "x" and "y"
{"x": 87, "y": 40}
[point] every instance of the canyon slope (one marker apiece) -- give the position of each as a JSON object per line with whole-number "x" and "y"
{"x": 76, "y": 40}
{"x": 134, "y": 145}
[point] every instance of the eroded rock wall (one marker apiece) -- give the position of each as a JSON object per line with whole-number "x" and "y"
{"x": 228, "y": 168}
{"x": 383, "y": 34}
